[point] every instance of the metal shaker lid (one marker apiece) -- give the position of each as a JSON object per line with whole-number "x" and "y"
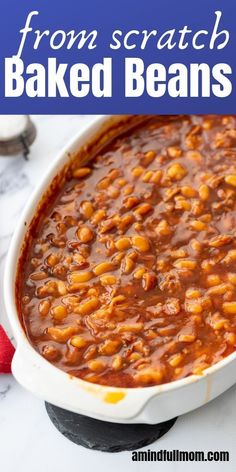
{"x": 17, "y": 133}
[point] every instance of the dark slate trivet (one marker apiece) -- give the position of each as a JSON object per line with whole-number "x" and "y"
{"x": 104, "y": 436}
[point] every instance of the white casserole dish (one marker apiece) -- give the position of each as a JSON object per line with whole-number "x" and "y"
{"x": 121, "y": 405}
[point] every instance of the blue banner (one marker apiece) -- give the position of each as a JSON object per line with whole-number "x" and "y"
{"x": 126, "y": 56}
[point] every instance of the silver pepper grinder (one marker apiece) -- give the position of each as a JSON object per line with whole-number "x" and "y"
{"x": 17, "y": 133}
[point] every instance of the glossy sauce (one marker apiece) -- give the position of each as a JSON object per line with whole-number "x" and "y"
{"x": 130, "y": 276}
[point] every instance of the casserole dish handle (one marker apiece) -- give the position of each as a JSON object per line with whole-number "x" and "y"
{"x": 40, "y": 377}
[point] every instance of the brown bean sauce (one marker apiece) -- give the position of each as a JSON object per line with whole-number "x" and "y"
{"x": 130, "y": 274}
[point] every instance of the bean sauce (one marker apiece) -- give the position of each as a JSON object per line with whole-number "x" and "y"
{"x": 130, "y": 275}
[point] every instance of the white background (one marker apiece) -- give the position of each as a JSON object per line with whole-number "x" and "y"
{"x": 28, "y": 440}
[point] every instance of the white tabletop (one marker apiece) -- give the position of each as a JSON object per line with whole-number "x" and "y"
{"x": 28, "y": 440}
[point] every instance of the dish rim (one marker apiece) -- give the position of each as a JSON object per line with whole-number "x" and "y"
{"x": 15, "y": 250}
